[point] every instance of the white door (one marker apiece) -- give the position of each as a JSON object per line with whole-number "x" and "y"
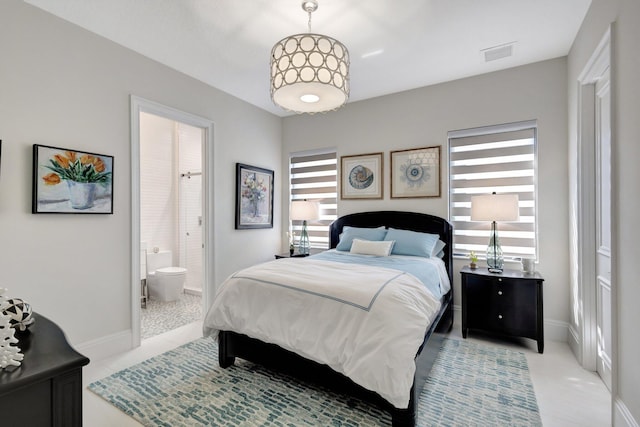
{"x": 603, "y": 227}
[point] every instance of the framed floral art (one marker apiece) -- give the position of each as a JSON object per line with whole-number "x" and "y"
{"x": 361, "y": 176}
{"x": 254, "y": 197}
{"x": 415, "y": 172}
{"x": 70, "y": 181}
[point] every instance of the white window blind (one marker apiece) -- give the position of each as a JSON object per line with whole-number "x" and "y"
{"x": 496, "y": 158}
{"x": 313, "y": 177}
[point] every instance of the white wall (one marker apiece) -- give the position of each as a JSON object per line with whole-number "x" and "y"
{"x": 624, "y": 14}
{"x": 422, "y": 117}
{"x": 158, "y": 184}
{"x": 64, "y": 86}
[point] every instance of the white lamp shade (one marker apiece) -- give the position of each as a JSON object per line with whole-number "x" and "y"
{"x": 495, "y": 207}
{"x": 302, "y": 210}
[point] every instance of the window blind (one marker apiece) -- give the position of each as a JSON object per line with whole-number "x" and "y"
{"x": 313, "y": 177}
{"x": 496, "y": 158}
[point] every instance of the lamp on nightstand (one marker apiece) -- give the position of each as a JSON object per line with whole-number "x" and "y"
{"x": 495, "y": 207}
{"x": 302, "y": 210}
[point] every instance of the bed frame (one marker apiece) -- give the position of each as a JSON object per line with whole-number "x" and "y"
{"x": 232, "y": 345}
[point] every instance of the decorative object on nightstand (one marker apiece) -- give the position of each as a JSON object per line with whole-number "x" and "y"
{"x": 507, "y": 303}
{"x": 10, "y": 354}
{"x": 528, "y": 265}
{"x": 474, "y": 260}
{"x": 303, "y": 210}
{"x": 495, "y": 207}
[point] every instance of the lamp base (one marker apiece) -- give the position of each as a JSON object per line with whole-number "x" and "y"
{"x": 495, "y": 270}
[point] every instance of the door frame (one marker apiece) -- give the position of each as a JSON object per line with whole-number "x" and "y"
{"x": 595, "y": 68}
{"x": 141, "y": 105}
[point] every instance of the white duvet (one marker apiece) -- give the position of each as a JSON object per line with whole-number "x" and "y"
{"x": 364, "y": 322}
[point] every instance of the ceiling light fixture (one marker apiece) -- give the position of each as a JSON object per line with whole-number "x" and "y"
{"x": 309, "y": 72}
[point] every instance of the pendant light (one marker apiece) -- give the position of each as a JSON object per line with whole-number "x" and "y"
{"x": 309, "y": 72}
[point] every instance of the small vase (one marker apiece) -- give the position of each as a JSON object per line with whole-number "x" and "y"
{"x": 472, "y": 265}
{"x": 81, "y": 194}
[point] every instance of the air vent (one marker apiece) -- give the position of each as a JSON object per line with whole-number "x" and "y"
{"x": 498, "y": 52}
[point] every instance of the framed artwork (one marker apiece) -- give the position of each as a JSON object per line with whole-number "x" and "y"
{"x": 69, "y": 181}
{"x": 415, "y": 172}
{"x": 361, "y": 176}
{"x": 254, "y": 197}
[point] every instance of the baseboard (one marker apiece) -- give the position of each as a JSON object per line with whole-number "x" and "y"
{"x": 621, "y": 415}
{"x": 554, "y": 330}
{"x": 103, "y": 347}
{"x": 190, "y": 291}
{"x": 575, "y": 343}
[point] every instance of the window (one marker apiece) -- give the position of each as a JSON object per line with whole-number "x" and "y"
{"x": 498, "y": 158}
{"x": 313, "y": 177}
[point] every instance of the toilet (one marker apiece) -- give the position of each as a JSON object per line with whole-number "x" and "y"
{"x": 164, "y": 281}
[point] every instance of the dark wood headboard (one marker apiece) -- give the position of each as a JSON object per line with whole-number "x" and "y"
{"x": 414, "y": 221}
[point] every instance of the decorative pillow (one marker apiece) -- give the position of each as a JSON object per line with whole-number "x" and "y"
{"x": 350, "y": 233}
{"x": 367, "y": 247}
{"x": 438, "y": 249}
{"x": 412, "y": 242}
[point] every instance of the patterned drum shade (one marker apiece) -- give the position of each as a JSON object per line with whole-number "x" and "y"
{"x": 309, "y": 73}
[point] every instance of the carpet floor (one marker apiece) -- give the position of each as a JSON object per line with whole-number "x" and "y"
{"x": 470, "y": 385}
{"x": 159, "y": 317}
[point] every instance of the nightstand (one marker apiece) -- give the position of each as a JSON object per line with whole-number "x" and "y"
{"x": 507, "y": 303}
{"x": 312, "y": 251}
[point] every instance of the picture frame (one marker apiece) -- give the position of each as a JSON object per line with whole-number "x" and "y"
{"x": 71, "y": 181}
{"x": 416, "y": 172}
{"x": 361, "y": 176}
{"x": 254, "y": 197}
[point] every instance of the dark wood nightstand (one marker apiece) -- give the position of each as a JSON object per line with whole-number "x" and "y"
{"x": 507, "y": 303}
{"x": 312, "y": 251}
{"x": 46, "y": 389}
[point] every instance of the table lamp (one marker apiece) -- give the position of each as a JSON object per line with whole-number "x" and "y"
{"x": 495, "y": 207}
{"x": 303, "y": 210}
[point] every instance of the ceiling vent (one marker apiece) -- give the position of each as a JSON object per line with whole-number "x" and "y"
{"x": 498, "y": 52}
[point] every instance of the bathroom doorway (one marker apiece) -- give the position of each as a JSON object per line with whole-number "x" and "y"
{"x": 170, "y": 223}
{"x": 170, "y": 162}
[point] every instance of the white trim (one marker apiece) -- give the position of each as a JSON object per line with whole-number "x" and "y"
{"x": 139, "y": 105}
{"x": 622, "y": 416}
{"x": 597, "y": 65}
{"x": 106, "y": 346}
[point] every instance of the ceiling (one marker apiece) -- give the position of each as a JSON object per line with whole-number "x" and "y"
{"x": 395, "y": 45}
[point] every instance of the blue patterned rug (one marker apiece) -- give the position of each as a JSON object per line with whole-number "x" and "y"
{"x": 470, "y": 385}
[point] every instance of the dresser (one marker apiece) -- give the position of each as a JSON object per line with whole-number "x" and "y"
{"x": 46, "y": 389}
{"x": 507, "y": 303}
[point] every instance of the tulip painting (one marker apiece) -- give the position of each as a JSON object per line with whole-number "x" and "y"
{"x": 68, "y": 181}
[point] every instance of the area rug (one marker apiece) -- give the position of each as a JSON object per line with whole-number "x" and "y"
{"x": 160, "y": 317}
{"x": 470, "y": 385}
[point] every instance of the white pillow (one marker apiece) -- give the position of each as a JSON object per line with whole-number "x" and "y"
{"x": 369, "y": 247}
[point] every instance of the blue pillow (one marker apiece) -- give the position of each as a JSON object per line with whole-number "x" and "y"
{"x": 412, "y": 242}
{"x": 350, "y": 233}
{"x": 438, "y": 249}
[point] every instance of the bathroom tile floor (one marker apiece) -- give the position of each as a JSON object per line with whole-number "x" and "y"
{"x": 160, "y": 317}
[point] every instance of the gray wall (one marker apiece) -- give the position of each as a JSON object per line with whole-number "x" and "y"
{"x": 624, "y": 15}
{"x": 422, "y": 117}
{"x": 63, "y": 86}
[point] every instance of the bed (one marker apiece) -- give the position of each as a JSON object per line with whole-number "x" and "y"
{"x": 301, "y": 354}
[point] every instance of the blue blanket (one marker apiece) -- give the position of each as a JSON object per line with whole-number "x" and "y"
{"x": 419, "y": 267}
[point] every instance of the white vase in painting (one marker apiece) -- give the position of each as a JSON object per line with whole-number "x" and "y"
{"x": 82, "y": 194}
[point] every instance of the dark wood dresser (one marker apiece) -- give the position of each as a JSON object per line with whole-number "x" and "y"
{"x": 46, "y": 389}
{"x": 507, "y": 303}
